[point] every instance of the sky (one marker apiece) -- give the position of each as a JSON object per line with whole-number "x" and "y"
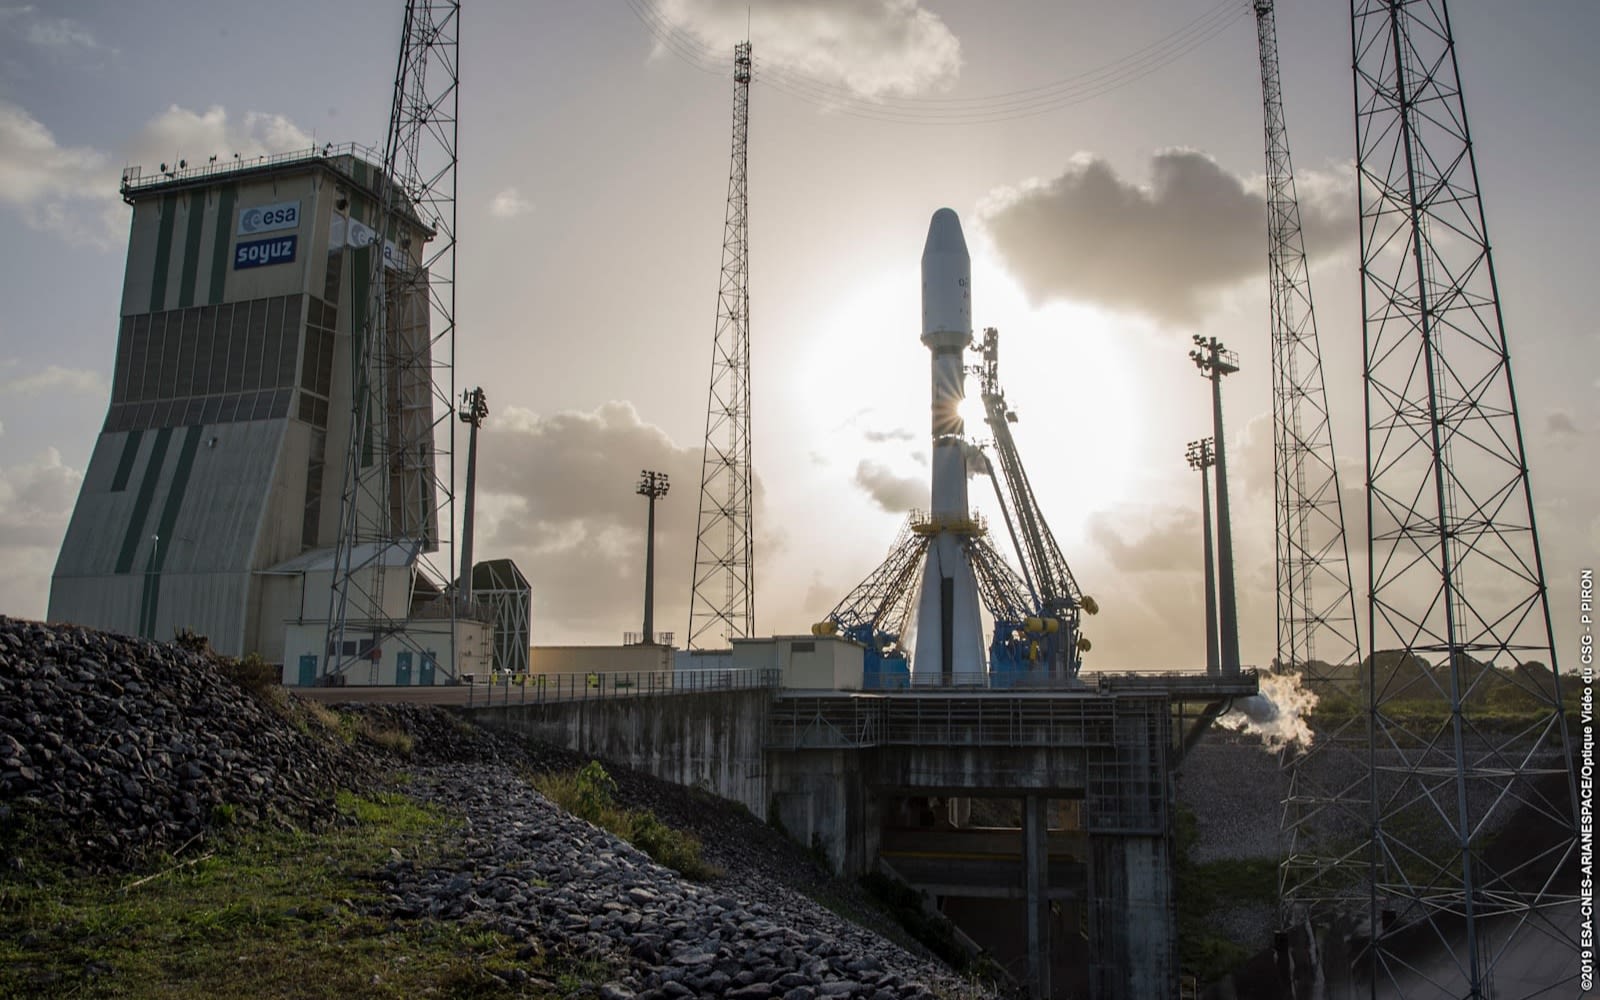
{"x": 1113, "y": 204}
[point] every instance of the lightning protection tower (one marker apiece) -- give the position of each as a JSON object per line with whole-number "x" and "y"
{"x": 1469, "y": 740}
{"x": 1316, "y": 612}
{"x": 722, "y": 604}
{"x": 399, "y": 464}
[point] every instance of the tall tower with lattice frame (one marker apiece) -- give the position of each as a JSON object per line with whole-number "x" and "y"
{"x": 1473, "y": 798}
{"x": 722, "y": 605}
{"x": 396, "y": 511}
{"x": 1316, "y": 612}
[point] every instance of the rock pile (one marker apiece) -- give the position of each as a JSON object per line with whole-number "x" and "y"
{"x": 121, "y": 746}
{"x": 116, "y": 747}
{"x": 538, "y": 874}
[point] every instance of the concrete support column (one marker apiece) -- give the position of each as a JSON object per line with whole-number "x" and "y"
{"x": 1036, "y": 874}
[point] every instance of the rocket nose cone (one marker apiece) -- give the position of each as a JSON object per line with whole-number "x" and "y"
{"x": 944, "y": 234}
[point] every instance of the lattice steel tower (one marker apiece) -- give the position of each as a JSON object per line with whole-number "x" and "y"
{"x": 400, "y": 467}
{"x": 722, "y": 605}
{"x": 1473, "y": 802}
{"x": 1316, "y": 612}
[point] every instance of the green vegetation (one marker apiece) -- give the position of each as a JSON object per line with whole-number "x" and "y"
{"x": 1203, "y": 889}
{"x": 1508, "y": 712}
{"x": 1505, "y": 699}
{"x": 313, "y": 718}
{"x": 264, "y": 914}
{"x": 254, "y": 674}
{"x": 590, "y": 793}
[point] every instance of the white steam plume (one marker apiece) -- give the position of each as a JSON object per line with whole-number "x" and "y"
{"x": 1277, "y": 714}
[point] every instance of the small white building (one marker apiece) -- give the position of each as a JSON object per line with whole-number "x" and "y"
{"x": 805, "y": 662}
{"x": 420, "y": 642}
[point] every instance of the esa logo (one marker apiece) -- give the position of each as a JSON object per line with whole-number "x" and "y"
{"x": 259, "y": 253}
{"x": 269, "y": 218}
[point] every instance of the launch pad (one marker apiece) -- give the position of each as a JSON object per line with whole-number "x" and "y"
{"x": 878, "y": 781}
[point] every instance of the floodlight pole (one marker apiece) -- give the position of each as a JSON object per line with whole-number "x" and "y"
{"x": 652, "y": 485}
{"x": 1214, "y": 361}
{"x": 474, "y": 408}
{"x": 1202, "y": 458}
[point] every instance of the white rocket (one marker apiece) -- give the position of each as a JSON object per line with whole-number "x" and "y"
{"x": 949, "y": 645}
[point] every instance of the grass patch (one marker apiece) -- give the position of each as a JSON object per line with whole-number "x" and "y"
{"x": 254, "y": 674}
{"x": 321, "y": 715}
{"x": 590, "y": 793}
{"x": 394, "y": 740}
{"x": 268, "y": 914}
{"x": 348, "y": 727}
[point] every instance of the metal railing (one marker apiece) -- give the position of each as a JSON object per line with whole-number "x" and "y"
{"x": 1247, "y": 681}
{"x": 539, "y": 689}
{"x": 441, "y": 608}
{"x": 979, "y": 720}
{"x": 134, "y": 177}
{"x": 639, "y": 638}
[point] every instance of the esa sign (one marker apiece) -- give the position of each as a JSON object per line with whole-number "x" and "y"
{"x": 269, "y": 218}
{"x": 357, "y": 235}
{"x": 260, "y": 253}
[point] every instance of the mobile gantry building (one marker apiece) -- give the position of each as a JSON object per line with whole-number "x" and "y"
{"x": 213, "y": 490}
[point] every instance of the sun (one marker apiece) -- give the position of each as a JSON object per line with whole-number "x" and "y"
{"x": 972, "y": 412}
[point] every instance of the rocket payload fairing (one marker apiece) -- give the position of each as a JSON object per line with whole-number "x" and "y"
{"x": 949, "y": 647}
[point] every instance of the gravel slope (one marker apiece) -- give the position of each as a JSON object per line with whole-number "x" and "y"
{"x": 116, "y": 748}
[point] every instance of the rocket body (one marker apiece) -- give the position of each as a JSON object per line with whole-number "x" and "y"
{"x": 949, "y": 645}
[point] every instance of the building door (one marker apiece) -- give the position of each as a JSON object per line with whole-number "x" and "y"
{"x": 308, "y": 669}
{"x": 402, "y": 668}
{"x": 427, "y": 669}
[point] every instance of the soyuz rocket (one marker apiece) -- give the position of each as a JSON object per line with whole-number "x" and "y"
{"x": 949, "y": 643}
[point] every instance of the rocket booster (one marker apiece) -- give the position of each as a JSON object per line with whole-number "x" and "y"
{"x": 947, "y": 330}
{"x": 949, "y": 634}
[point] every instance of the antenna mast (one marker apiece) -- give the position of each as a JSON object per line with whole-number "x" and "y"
{"x": 1316, "y": 611}
{"x": 400, "y": 461}
{"x": 1458, "y": 616}
{"x": 722, "y": 605}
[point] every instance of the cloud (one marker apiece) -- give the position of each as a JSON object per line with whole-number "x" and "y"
{"x": 1250, "y": 458}
{"x": 1162, "y": 249}
{"x": 179, "y": 133}
{"x": 893, "y": 434}
{"x": 73, "y": 191}
{"x": 56, "y": 378}
{"x": 895, "y": 494}
{"x": 1560, "y": 422}
{"x": 509, "y": 204}
{"x": 557, "y": 495}
{"x": 58, "y": 33}
{"x": 1170, "y": 542}
{"x": 872, "y": 48}
{"x": 68, "y": 189}
{"x": 35, "y": 501}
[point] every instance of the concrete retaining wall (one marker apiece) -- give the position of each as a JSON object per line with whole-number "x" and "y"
{"x": 713, "y": 741}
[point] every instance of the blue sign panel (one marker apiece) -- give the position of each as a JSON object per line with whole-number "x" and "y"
{"x": 259, "y": 253}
